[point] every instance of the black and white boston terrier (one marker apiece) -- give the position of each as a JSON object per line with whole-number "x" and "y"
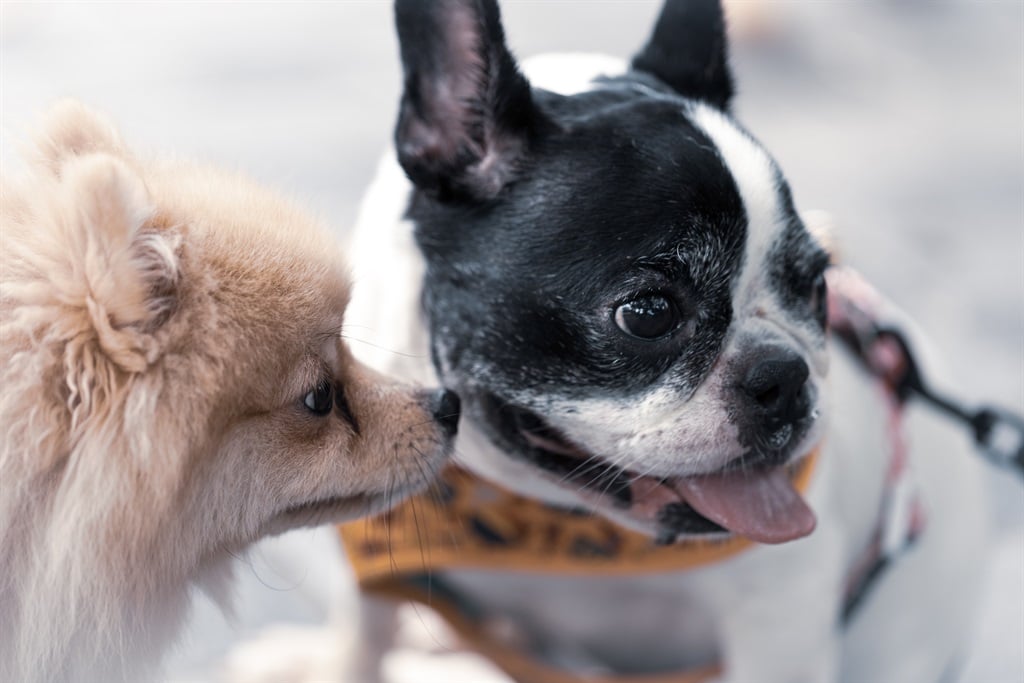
{"x": 612, "y": 273}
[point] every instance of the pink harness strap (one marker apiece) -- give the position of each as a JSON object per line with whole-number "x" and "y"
{"x": 855, "y": 309}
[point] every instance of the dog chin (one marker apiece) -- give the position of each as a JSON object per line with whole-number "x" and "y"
{"x": 327, "y": 511}
{"x": 339, "y": 509}
{"x": 752, "y": 495}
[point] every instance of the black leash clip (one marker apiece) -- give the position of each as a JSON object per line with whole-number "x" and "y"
{"x": 1000, "y": 436}
{"x": 998, "y": 433}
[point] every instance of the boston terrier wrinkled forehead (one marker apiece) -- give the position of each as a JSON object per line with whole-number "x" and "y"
{"x": 617, "y": 281}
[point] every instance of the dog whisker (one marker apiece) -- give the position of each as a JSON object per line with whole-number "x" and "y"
{"x": 356, "y": 340}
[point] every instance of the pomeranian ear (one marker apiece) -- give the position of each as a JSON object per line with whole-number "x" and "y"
{"x": 124, "y": 269}
{"x": 69, "y": 130}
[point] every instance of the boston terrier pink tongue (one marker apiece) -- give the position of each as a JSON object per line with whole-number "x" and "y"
{"x": 760, "y": 505}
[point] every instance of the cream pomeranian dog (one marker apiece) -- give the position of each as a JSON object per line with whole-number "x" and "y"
{"x": 175, "y": 387}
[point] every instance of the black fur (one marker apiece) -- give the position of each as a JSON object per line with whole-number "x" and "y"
{"x": 687, "y": 51}
{"x": 466, "y": 114}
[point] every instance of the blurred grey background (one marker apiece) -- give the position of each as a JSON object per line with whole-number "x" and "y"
{"x": 904, "y": 120}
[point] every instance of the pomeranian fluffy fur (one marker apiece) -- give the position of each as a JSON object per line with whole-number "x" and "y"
{"x": 175, "y": 386}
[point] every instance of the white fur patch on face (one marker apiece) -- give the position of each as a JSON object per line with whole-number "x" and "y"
{"x": 755, "y": 175}
{"x": 658, "y": 433}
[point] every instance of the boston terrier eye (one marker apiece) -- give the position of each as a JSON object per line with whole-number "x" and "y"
{"x": 320, "y": 400}
{"x": 647, "y": 317}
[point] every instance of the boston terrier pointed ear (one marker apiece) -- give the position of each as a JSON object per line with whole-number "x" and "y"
{"x": 687, "y": 51}
{"x": 467, "y": 114}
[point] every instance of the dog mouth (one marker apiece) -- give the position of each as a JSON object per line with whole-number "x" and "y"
{"x": 334, "y": 505}
{"x": 757, "y": 501}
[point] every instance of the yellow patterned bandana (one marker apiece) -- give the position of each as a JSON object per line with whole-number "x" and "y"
{"x": 467, "y": 522}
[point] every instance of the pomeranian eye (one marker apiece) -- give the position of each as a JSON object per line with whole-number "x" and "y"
{"x": 648, "y": 317}
{"x": 321, "y": 399}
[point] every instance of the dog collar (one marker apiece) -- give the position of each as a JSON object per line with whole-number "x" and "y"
{"x": 469, "y": 522}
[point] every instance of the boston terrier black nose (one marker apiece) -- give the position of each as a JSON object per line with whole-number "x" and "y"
{"x": 773, "y": 384}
